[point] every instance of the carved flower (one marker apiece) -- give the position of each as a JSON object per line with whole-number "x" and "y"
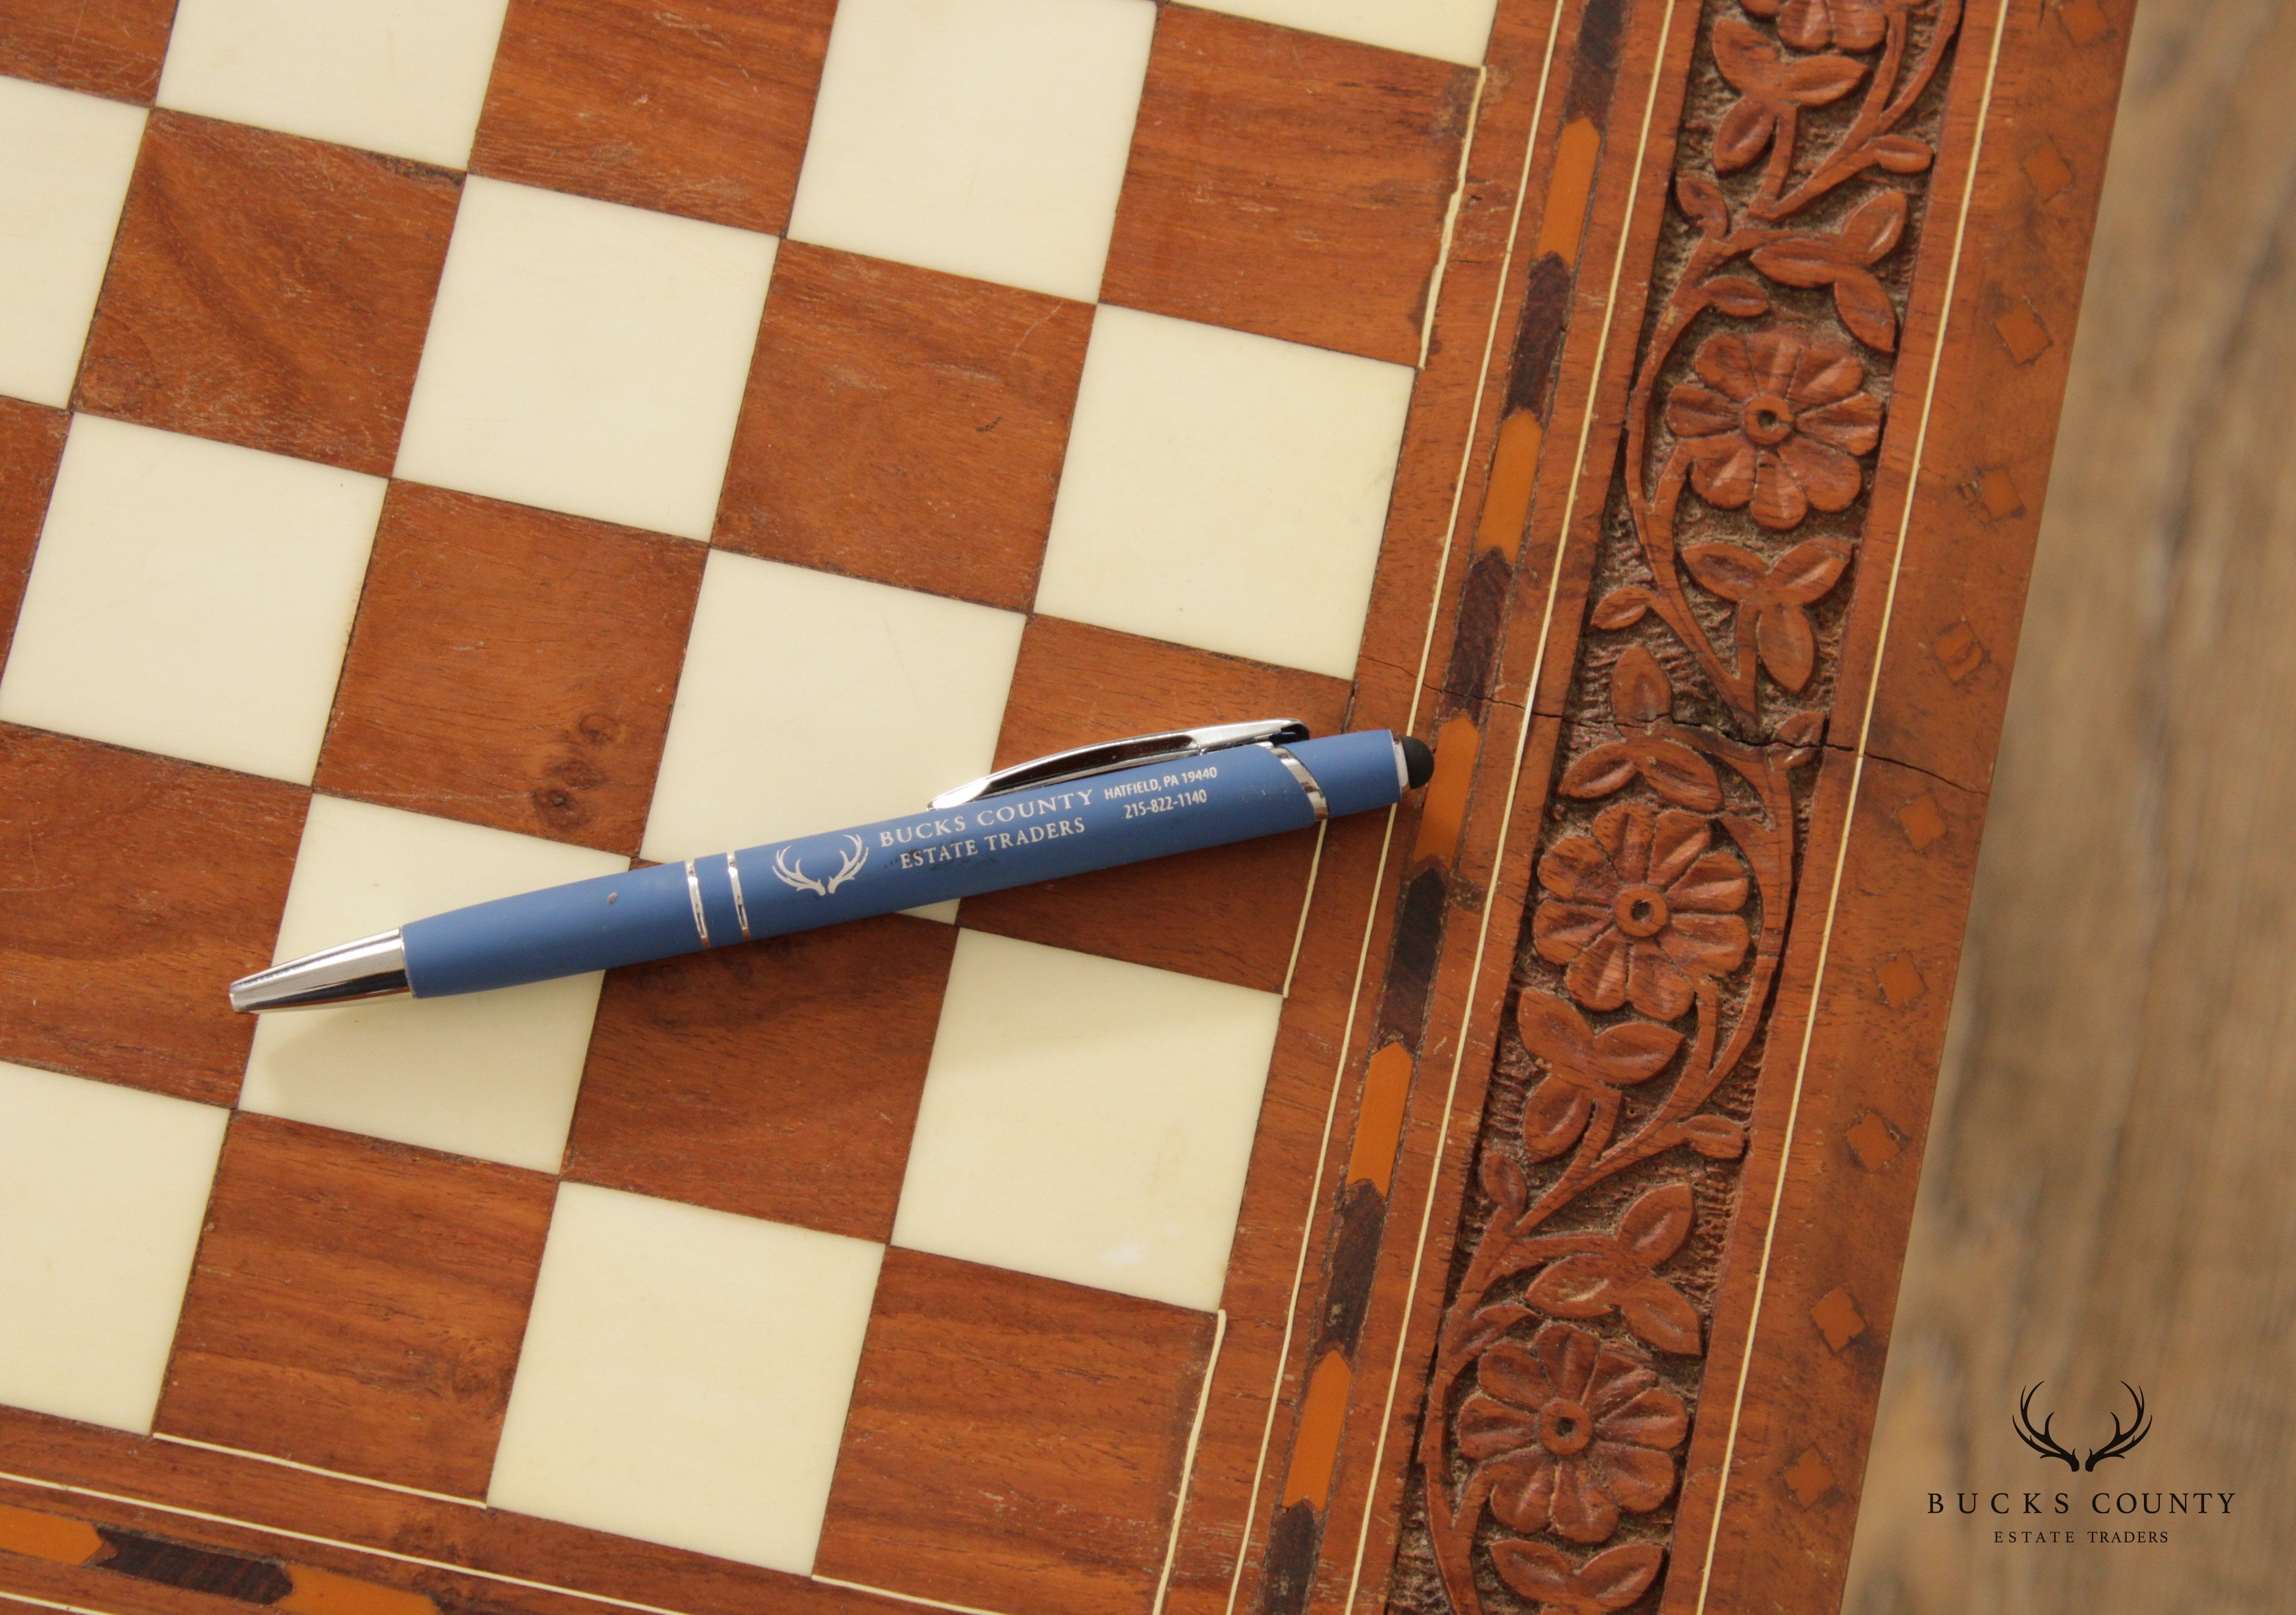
{"x": 1779, "y": 421}
{"x": 1572, "y": 1430}
{"x": 1812, "y": 25}
{"x": 1639, "y": 908}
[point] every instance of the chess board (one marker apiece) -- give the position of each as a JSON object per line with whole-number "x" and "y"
{"x": 451, "y": 448}
{"x": 447, "y": 447}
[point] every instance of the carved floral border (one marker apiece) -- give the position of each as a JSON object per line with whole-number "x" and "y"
{"x": 1561, "y": 1389}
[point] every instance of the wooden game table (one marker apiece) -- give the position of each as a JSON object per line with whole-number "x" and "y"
{"x": 447, "y": 449}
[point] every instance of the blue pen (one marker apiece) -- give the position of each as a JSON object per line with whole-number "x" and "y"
{"x": 1094, "y": 807}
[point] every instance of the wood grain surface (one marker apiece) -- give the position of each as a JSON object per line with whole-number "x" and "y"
{"x": 2105, "y": 1197}
{"x": 332, "y": 258}
{"x": 701, "y": 110}
{"x": 113, "y": 964}
{"x": 1010, "y": 1439}
{"x": 904, "y": 425}
{"x": 1288, "y": 184}
{"x": 114, "y": 49}
{"x": 512, "y": 667}
{"x": 356, "y": 1305}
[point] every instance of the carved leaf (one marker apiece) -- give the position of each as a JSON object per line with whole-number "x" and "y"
{"x": 1503, "y": 1182}
{"x": 1735, "y": 295}
{"x": 1701, "y": 198}
{"x": 1609, "y": 1581}
{"x": 1799, "y": 260}
{"x": 1606, "y": 768}
{"x": 1806, "y": 572}
{"x": 1678, "y": 774}
{"x": 1726, "y": 570}
{"x": 1743, "y": 134}
{"x": 1815, "y": 81}
{"x": 1787, "y": 647}
{"x": 1614, "y": 1579}
{"x": 1488, "y": 1325}
{"x": 1553, "y": 1030}
{"x": 1634, "y": 1051}
{"x": 1716, "y": 1138}
{"x": 1660, "y": 1316}
{"x": 1747, "y": 58}
{"x": 1622, "y": 608}
{"x": 1576, "y": 1287}
{"x": 1640, "y": 692}
{"x": 1866, "y": 309}
{"x": 1868, "y": 234}
{"x": 1802, "y": 729}
{"x": 1555, "y": 1114}
{"x": 1533, "y": 1570}
{"x": 1902, "y": 153}
{"x": 1655, "y": 1225}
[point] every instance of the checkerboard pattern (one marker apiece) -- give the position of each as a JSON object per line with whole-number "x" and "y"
{"x": 449, "y": 447}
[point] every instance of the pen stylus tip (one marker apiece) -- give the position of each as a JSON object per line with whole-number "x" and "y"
{"x": 1418, "y": 761}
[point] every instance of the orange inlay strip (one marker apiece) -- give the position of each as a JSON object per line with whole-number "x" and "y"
{"x": 1443, "y": 810}
{"x": 1514, "y": 466}
{"x": 1565, "y": 216}
{"x": 1323, "y": 1416}
{"x": 1379, "y": 1126}
{"x": 49, "y": 1537}
{"x": 325, "y": 1593}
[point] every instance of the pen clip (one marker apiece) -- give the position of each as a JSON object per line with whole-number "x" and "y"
{"x": 1131, "y": 751}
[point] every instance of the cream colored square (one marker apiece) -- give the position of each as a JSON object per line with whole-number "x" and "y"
{"x": 486, "y": 1074}
{"x": 985, "y": 138}
{"x": 405, "y": 76}
{"x": 192, "y": 598}
{"x": 1453, "y": 30}
{"x": 64, "y": 164}
{"x": 810, "y": 702}
{"x": 1224, "y": 490}
{"x": 586, "y": 357}
{"x": 1087, "y": 1120}
{"x": 102, "y": 1190}
{"x": 685, "y": 1376}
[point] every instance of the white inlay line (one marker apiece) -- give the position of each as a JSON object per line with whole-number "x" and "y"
{"x": 1387, "y": 836}
{"x": 312, "y": 1469}
{"x": 333, "y": 1542}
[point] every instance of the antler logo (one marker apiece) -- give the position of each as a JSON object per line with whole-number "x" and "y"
{"x": 2042, "y": 1442}
{"x": 793, "y": 874}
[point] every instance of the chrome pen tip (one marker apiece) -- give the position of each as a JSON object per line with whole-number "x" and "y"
{"x": 372, "y": 967}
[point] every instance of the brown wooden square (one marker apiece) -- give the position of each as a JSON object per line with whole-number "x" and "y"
{"x": 137, "y": 887}
{"x": 905, "y": 426}
{"x": 700, "y": 110}
{"x": 512, "y": 667}
{"x": 1287, "y": 184}
{"x": 779, "y": 1079}
{"x": 31, "y": 447}
{"x": 269, "y": 291}
{"x": 112, "y": 49}
{"x": 356, "y": 1305}
{"x": 1229, "y": 912}
{"x": 1014, "y": 1443}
